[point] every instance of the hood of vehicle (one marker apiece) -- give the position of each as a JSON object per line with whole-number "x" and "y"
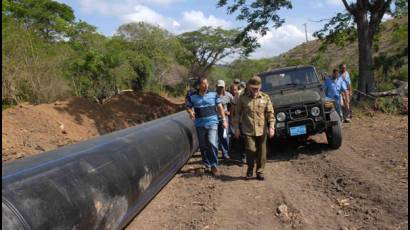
{"x": 295, "y": 97}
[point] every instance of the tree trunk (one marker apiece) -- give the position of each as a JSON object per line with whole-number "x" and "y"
{"x": 366, "y": 75}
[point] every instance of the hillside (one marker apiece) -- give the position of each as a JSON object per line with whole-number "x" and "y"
{"x": 391, "y": 42}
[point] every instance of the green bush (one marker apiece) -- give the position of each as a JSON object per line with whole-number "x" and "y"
{"x": 390, "y": 105}
{"x": 403, "y": 73}
{"x": 385, "y": 86}
{"x": 177, "y": 91}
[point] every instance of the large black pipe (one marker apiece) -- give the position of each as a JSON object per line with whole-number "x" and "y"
{"x": 97, "y": 184}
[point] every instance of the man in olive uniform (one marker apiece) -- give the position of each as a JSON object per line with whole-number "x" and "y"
{"x": 254, "y": 112}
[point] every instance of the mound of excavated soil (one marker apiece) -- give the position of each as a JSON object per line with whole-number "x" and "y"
{"x": 30, "y": 129}
{"x": 135, "y": 108}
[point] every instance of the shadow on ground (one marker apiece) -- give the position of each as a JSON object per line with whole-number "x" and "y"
{"x": 289, "y": 149}
{"x": 277, "y": 151}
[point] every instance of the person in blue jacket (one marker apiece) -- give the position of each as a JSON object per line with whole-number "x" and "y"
{"x": 335, "y": 88}
{"x": 203, "y": 107}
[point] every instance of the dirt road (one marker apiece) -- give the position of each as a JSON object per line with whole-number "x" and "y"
{"x": 363, "y": 185}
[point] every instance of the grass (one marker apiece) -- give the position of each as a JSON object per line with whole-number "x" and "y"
{"x": 6, "y": 106}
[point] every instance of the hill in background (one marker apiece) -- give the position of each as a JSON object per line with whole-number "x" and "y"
{"x": 390, "y": 54}
{"x": 390, "y": 48}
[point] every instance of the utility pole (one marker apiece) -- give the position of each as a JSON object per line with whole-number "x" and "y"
{"x": 306, "y": 32}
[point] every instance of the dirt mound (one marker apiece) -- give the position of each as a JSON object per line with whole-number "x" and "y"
{"x": 30, "y": 129}
{"x": 138, "y": 107}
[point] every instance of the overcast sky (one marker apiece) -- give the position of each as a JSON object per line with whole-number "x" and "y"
{"x": 179, "y": 16}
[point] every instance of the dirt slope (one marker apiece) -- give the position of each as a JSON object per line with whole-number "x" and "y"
{"x": 30, "y": 129}
{"x": 363, "y": 185}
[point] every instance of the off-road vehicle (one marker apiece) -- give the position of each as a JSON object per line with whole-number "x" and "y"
{"x": 301, "y": 107}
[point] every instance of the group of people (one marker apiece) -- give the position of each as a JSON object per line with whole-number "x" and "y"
{"x": 238, "y": 117}
{"x": 241, "y": 118}
{"x": 338, "y": 86}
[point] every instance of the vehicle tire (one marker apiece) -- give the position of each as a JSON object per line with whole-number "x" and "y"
{"x": 334, "y": 133}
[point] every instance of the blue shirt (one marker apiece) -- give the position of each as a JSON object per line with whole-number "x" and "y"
{"x": 205, "y": 108}
{"x": 346, "y": 79}
{"x": 334, "y": 88}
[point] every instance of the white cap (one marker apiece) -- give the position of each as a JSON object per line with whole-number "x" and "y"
{"x": 220, "y": 83}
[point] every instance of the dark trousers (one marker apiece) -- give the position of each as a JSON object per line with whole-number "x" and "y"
{"x": 255, "y": 149}
{"x": 237, "y": 145}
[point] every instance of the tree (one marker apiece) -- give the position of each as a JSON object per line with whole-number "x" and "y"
{"x": 245, "y": 68}
{"x": 80, "y": 33}
{"x": 91, "y": 68}
{"x": 401, "y": 8}
{"x": 365, "y": 14}
{"x": 208, "y": 45}
{"x": 91, "y": 75}
{"x": 31, "y": 65}
{"x": 143, "y": 69}
{"x": 50, "y": 18}
{"x": 258, "y": 15}
{"x": 153, "y": 42}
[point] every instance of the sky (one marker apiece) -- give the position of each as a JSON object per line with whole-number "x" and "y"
{"x": 179, "y": 16}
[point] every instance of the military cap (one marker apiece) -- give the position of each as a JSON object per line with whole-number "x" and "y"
{"x": 255, "y": 82}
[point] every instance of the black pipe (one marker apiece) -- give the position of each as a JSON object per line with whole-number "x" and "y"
{"x": 97, "y": 184}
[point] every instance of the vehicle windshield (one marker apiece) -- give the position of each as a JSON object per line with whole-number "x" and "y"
{"x": 291, "y": 77}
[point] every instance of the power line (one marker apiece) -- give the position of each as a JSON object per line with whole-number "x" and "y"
{"x": 320, "y": 20}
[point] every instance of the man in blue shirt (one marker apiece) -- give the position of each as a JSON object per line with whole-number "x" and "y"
{"x": 203, "y": 107}
{"x": 335, "y": 88}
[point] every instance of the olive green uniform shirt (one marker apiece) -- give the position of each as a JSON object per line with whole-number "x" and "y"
{"x": 254, "y": 114}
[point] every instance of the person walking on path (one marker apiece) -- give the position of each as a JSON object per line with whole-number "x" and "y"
{"x": 227, "y": 101}
{"x": 255, "y": 114}
{"x": 335, "y": 88}
{"x": 203, "y": 108}
{"x": 348, "y": 95}
{"x": 236, "y": 145}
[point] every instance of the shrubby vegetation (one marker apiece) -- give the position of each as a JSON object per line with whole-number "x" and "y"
{"x": 48, "y": 55}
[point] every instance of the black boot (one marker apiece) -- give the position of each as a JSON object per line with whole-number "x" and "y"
{"x": 249, "y": 174}
{"x": 260, "y": 177}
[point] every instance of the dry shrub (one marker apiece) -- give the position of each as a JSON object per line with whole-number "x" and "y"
{"x": 30, "y": 69}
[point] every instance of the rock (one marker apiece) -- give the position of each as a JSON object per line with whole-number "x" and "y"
{"x": 343, "y": 202}
{"x": 282, "y": 210}
{"x": 199, "y": 171}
